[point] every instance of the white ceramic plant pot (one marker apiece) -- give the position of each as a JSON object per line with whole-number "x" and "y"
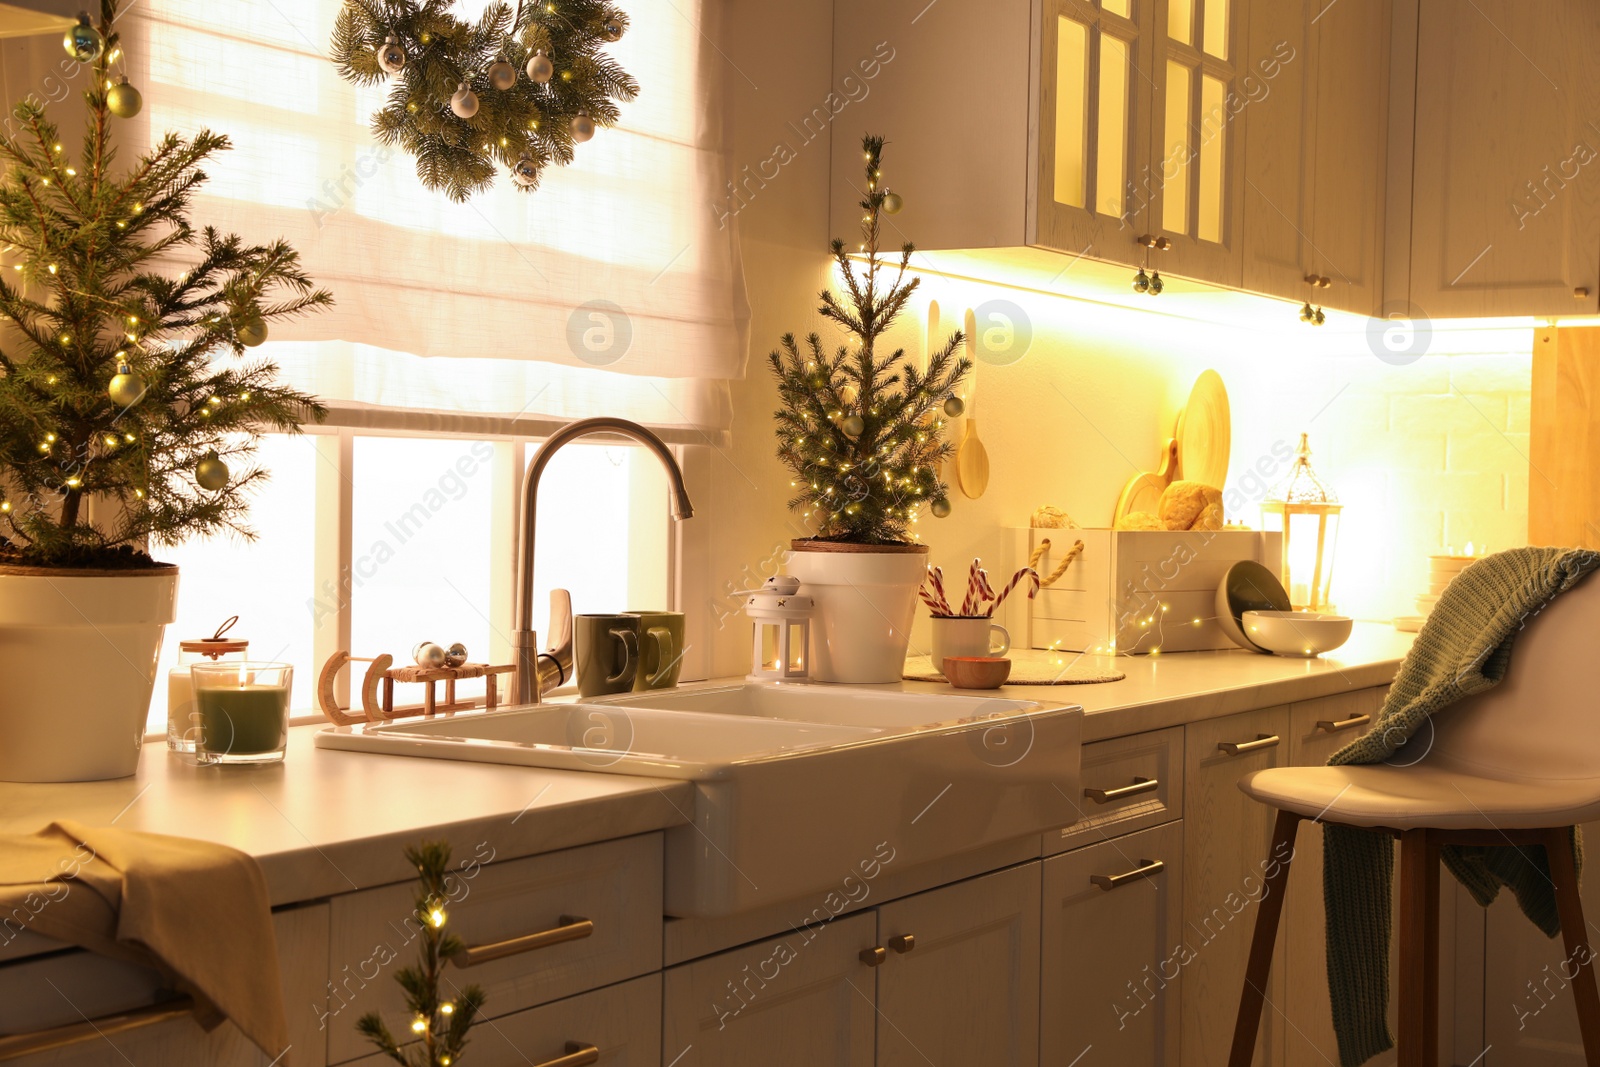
{"x": 80, "y": 648}
{"x": 866, "y": 599}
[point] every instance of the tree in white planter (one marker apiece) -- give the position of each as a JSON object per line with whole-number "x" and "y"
{"x": 862, "y": 432}
{"x": 119, "y": 421}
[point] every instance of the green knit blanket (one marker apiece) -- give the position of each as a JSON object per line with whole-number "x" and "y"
{"x": 1464, "y": 647}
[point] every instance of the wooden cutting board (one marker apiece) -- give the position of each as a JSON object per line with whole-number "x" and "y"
{"x": 1205, "y": 433}
{"x": 1143, "y": 491}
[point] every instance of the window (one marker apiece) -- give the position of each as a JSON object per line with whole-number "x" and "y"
{"x": 392, "y": 540}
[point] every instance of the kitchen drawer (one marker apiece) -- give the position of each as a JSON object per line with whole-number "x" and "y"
{"x": 63, "y": 988}
{"x": 615, "y": 885}
{"x": 622, "y": 1021}
{"x": 1121, "y": 771}
{"x": 1111, "y": 958}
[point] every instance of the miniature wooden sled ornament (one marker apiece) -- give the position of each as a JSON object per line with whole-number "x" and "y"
{"x": 377, "y": 665}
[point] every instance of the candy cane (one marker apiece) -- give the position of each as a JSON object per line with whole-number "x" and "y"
{"x": 974, "y": 587}
{"x": 938, "y": 589}
{"x": 1033, "y": 585}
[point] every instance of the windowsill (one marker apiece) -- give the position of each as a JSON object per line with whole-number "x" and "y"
{"x": 314, "y": 717}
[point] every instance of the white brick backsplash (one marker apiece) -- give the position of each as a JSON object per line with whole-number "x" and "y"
{"x": 1450, "y": 412}
{"x": 1517, "y": 412}
{"x": 1501, "y": 374}
{"x": 1486, "y": 450}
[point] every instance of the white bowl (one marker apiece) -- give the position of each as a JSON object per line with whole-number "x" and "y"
{"x": 1296, "y": 633}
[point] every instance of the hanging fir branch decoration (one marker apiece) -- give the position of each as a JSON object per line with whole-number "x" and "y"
{"x": 517, "y": 88}
{"x": 861, "y": 429}
{"x": 440, "y": 1022}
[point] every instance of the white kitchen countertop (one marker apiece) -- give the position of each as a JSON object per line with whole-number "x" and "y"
{"x": 325, "y": 822}
{"x": 1182, "y": 687}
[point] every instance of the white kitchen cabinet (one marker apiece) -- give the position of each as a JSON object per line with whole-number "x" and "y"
{"x": 960, "y": 978}
{"x": 1095, "y": 97}
{"x": 1111, "y": 962}
{"x": 1194, "y": 184}
{"x": 1350, "y": 68}
{"x": 64, "y": 989}
{"x": 1506, "y": 211}
{"x": 1314, "y": 169}
{"x": 1227, "y": 837}
{"x": 803, "y": 999}
{"x": 951, "y": 973}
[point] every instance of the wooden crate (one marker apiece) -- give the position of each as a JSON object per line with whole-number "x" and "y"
{"x": 1135, "y": 591}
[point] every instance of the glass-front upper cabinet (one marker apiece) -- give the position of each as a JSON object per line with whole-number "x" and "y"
{"x": 1194, "y": 184}
{"x": 1096, "y": 94}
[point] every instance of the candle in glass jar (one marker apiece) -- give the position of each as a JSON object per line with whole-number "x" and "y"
{"x": 247, "y": 720}
{"x": 243, "y": 711}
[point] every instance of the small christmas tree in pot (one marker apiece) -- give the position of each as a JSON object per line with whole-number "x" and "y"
{"x": 116, "y": 425}
{"x": 862, "y": 432}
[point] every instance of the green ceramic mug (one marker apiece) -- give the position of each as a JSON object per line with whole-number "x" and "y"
{"x": 606, "y": 656}
{"x": 660, "y": 649}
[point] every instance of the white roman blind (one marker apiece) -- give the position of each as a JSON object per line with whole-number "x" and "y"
{"x": 613, "y": 289}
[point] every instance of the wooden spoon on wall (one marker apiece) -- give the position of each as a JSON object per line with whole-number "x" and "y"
{"x": 972, "y": 459}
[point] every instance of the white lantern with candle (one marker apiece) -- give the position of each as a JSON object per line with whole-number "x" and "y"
{"x": 781, "y": 631}
{"x": 1306, "y": 511}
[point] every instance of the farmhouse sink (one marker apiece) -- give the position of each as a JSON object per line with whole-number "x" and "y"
{"x": 840, "y": 705}
{"x": 796, "y": 786}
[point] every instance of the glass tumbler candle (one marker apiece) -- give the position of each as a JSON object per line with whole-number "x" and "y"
{"x": 243, "y": 708}
{"x": 183, "y": 720}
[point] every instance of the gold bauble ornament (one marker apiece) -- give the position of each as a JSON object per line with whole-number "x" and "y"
{"x": 540, "y": 69}
{"x": 211, "y": 473}
{"x": 123, "y": 100}
{"x": 954, "y": 406}
{"x": 853, "y": 425}
{"x": 83, "y": 42}
{"x": 940, "y": 508}
{"x": 464, "y": 102}
{"x": 892, "y": 203}
{"x": 126, "y": 388}
{"x": 582, "y": 127}
{"x": 251, "y": 332}
{"x": 502, "y": 75}
{"x": 391, "y": 56}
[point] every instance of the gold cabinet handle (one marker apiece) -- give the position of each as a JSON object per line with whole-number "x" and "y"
{"x": 572, "y": 928}
{"x": 1150, "y": 240}
{"x": 1122, "y": 792}
{"x": 872, "y": 956}
{"x": 18, "y": 1045}
{"x": 1239, "y": 748}
{"x": 577, "y": 1055}
{"x": 1146, "y": 869}
{"x": 1333, "y": 726}
{"x": 1580, "y": 293}
{"x": 904, "y": 943}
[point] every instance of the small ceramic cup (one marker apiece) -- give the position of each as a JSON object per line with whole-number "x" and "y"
{"x": 967, "y": 636}
{"x": 606, "y": 653}
{"x": 660, "y": 649}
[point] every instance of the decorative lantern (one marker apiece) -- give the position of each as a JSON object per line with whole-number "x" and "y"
{"x": 782, "y": 630}
{"x": 1306, "y": 511}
